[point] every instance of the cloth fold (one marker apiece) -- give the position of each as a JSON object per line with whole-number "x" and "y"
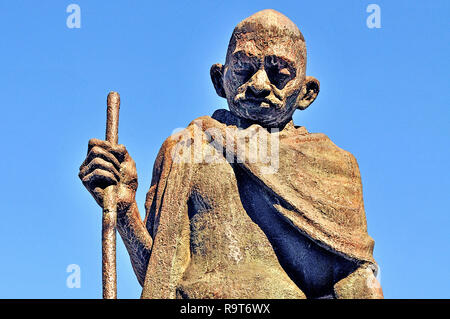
{"x": 317, "y": 183}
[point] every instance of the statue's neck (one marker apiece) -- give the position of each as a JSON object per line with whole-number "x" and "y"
{"x": 228, "y": 118}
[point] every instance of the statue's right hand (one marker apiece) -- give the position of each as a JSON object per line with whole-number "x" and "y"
{"x": 105, "y": 165}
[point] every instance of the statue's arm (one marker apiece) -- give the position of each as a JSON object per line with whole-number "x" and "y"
{"x": 106, "y": 165}
{"x": 137, "y": 240}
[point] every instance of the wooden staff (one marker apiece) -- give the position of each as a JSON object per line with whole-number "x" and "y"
{"x": 109, "y": 219}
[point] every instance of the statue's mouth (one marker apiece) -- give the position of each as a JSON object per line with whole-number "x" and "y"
{"x": 260, "y": 103}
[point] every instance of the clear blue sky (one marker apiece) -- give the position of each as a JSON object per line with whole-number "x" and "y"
{"x": 384, "y": 97}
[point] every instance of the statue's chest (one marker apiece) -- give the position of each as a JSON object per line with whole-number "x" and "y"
{"x": 230, "y": 254}
{"x": 220, "y": 228}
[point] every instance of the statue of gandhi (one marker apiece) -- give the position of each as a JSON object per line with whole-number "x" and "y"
{"x": 222, "y": 223}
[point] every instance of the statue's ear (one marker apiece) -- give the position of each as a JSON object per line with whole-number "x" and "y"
{"x": 217, "y": 78}
{"x": 309, "y": 92}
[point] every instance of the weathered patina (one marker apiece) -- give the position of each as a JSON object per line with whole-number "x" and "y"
{"x": 243, "y": 203}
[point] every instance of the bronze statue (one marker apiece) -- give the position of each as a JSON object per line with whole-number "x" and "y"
{"x": 222, "y": 223}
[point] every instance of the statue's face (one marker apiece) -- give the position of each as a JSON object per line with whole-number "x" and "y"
{"x": 263, "y": 77}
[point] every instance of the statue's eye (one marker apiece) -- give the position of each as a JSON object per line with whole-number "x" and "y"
{"x": 244, "y": 71}
{"x": 279, "y": 77}
{"x": 279, "y": 71}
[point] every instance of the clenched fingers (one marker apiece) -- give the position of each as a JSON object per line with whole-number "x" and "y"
{"x": 99, "y": 152}
{"x": 119, "y": 151}
{"x": 99, "y": 178}
{"x": 98, "y": 163}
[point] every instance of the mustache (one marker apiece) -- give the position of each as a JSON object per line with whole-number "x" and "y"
{"x": 272, "y": 101}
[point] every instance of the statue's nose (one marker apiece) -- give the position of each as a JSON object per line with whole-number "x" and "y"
{"x": 259, "y": 84}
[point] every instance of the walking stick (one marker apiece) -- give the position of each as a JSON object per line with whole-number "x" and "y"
{"x": 109, "y": 218}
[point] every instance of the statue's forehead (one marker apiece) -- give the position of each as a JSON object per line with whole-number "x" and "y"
{"x": 266, "y": 43}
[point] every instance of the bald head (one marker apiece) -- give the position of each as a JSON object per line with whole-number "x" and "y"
{"x": 264, "y": 78}
{"x": 269, "y": 19}
{"x": 266, "y": 29}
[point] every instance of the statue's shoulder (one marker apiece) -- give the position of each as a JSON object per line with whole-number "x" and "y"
{"x": 177, "y": 143}
{"x": 296, "y": 134}
{"x": 184, "y": 138}
{"x": 188, "y": 132}
{"x": 321, "y": 142}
